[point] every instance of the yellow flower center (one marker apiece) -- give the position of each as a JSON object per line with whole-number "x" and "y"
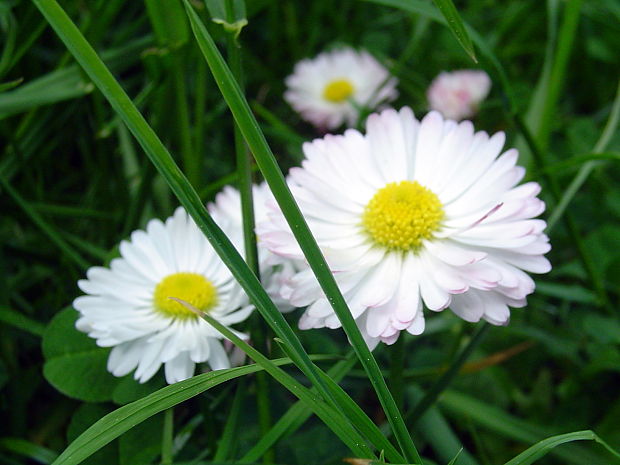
{"x": 338, "y": 90}
{"x": 193, "y": 288}
{"x": 401, "y": 215}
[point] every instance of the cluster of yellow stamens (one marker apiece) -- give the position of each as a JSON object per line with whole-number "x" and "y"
{"x": 193, "y": 288}
{"x": 338, "y": 90}
{"x": 401, "y": 215}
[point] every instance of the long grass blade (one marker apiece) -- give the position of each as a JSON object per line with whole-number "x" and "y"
{"x": 330, "y": 416}
{"x": 269, "y": 167}
{"x": 456, "y": 25}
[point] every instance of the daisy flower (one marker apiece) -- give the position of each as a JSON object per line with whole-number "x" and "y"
{"x": 330, "y": 89}
{"x": 275, "y": 270}
{"x": 458, "y": 94}
{"x": 414, "y": 213}
{"x": 127, "y": 305}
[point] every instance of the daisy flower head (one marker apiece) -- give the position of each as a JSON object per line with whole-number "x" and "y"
{"x": 274, "y": 269}
{"x": 330, "y": 89}
{"x": 458, "y": 94}
{"x": 128, "y": 307}
{"x": 412, "y": 214}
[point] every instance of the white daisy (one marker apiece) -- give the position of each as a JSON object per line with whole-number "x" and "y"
{"x": 414, "y": 213}
{"x": 330, "y": 89}
{"x": 127, "y": 306}
{"x": 275, "y": 271}
{"x": 458, "y": 94}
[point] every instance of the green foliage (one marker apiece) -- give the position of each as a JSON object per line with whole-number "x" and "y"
{"x": 73, "y": 363}
{"x": 126, "y": 121}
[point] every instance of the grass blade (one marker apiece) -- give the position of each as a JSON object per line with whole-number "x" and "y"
{"x": 295, "y": 416}
{"x": 269, "y": 167}
{"x": 558, "y": 74}
{"x": 546, "y": 445}
{"x": 456, "y": 25}
{"x": 330, "y": 416}
{"x": 506, "y": 425}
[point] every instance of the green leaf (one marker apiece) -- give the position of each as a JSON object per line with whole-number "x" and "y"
{"x": 230, "y": 14}
{"x": 67, "y": 350}
{"x": 124, "y": 418}
{"x": 456, "y": 25}
{"x": 546, "y": 445}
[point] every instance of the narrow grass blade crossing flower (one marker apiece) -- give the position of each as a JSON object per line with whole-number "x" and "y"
{"x": 268, "y": 166}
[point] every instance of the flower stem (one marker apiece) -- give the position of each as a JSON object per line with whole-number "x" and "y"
{"x": 167, "y": 437}
{"x": 397, "y": 368}
{"x": 244, "y": 179}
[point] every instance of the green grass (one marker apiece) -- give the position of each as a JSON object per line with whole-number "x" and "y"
{"x": 117, "y": 112}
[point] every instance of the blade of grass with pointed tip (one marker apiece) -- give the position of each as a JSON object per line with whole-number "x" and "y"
{"x": 271, "y": 171}
{"x": 456, "y": 25}
{"x": 545, "y": 446}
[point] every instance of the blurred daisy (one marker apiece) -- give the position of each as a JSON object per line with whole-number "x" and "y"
{"x": 330, "y": 89}
{"x": 127, "y": 306}
{"x": 274, "y": 269}
{"x": 458, "y": 94}
{"x": 414, "y": 213}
